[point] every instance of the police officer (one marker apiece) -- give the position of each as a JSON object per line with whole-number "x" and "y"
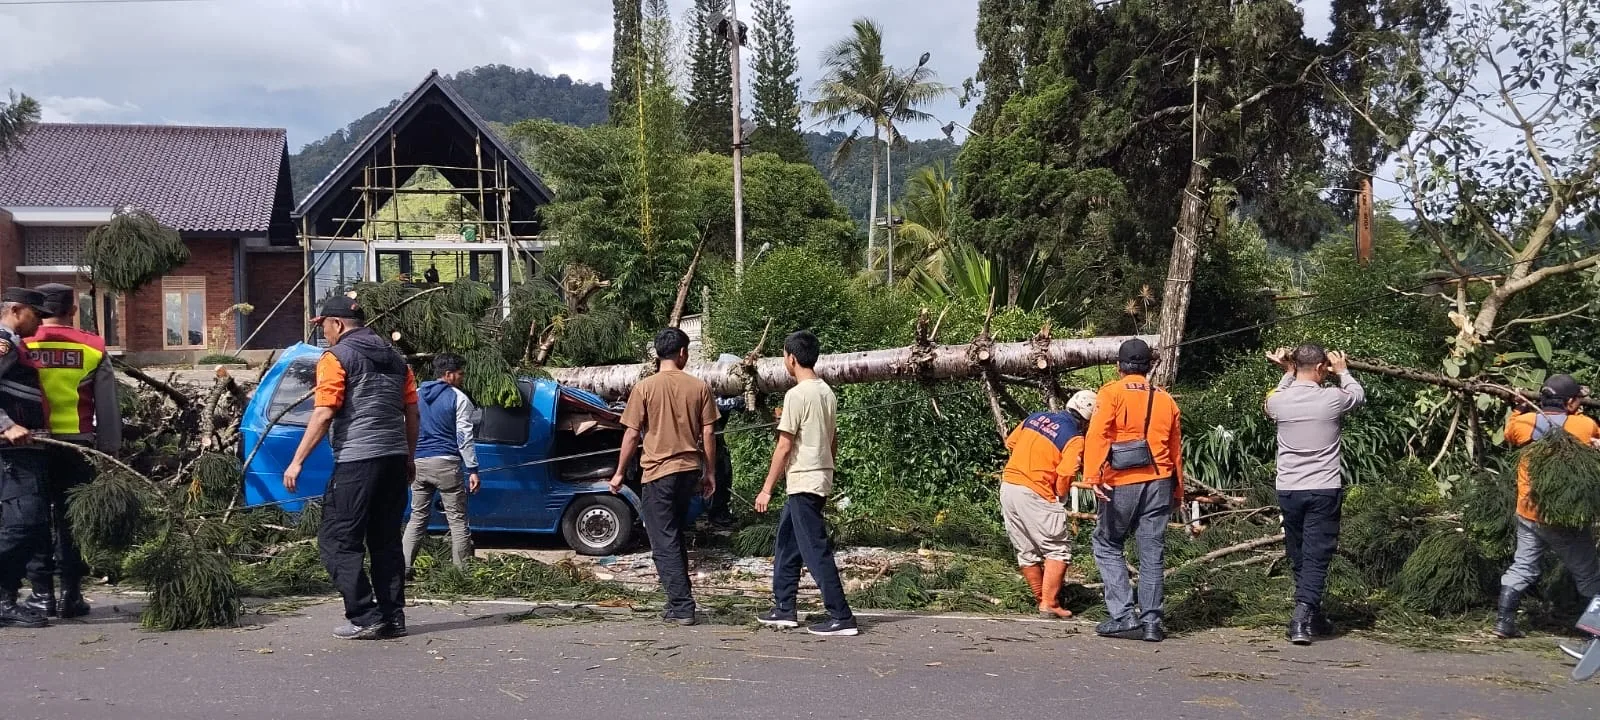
{"x": 80, "y": 388}
{"x": 24, "y": 514}
{"x": 366, "y": 403}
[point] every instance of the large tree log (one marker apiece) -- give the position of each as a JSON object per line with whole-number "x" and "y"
{"x": 949, "y": 362}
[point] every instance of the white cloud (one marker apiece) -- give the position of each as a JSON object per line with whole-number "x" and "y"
{"x": 57, "y": 109}
{"x": 314, "y": 65}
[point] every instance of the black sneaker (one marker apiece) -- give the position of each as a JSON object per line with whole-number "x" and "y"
{"x": 778, "y": 618}
{"x": 15, "y": 615}
{"x": 835, "y": 627}
{"x": 395, "y": 627}
{"x": 1153, "y": 632}
{"x": 1127, "y": 628}
{"x": 684, "y": 620}
{"x": 351, "y": 631}
{"x": 42, "y": 602}
{"x": 73, "y": 605}
{"x": 724, "y": 520}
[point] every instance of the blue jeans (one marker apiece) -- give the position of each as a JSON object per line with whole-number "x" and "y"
{"x": 1140, "y": 510}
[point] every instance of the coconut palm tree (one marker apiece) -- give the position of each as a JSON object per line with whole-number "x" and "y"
{"x": 858, "y": 85}
{"x": 16, "y": 117}
{"x": 927, "y": 209}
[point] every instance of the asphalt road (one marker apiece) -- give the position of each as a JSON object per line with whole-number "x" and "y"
{"x": 490, "y": 661}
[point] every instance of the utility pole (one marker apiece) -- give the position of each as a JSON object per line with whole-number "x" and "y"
{"x": 734, "y": 31}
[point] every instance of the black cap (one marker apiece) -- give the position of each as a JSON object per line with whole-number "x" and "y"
{"x": 1134, "y": 352}
{"x": 1562, "y": 387}
{"x": 24, "y": 296}
{"x": 340, "y": 306}
{"x": 58, "y": 298}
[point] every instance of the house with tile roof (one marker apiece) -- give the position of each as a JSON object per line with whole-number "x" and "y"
{"x": 226, "y": 190}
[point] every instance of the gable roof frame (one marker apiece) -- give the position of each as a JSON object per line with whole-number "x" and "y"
{"x": 349, "y": 171}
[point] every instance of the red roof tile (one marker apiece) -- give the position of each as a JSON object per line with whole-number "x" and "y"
{"x": 198, "y": 179}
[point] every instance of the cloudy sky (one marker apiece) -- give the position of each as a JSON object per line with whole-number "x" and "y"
{"x": 312, "y": 66}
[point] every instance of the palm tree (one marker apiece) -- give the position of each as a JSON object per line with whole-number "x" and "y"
{"x": 855, "y": 84}
{"x": 17, "y": 117}
{"x": 858, "y": 84}
{"x": 927, "y": 209}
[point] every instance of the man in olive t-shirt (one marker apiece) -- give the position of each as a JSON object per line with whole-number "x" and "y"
{"x": 804, "y": 453}
{"x": 674, "y": 412}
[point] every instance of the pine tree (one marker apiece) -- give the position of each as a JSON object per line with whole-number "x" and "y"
{"x": 627, "y": 23}
{"x": 777, "y": 83}
{"x": 708, "y": 123}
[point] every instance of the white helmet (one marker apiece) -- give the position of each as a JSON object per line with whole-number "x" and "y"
{"x": 1082, "y": 402}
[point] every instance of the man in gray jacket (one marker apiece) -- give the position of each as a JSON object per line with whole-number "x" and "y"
{"x": 1310, "y": 484}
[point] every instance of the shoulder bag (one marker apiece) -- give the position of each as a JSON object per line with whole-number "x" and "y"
{"x": 1133, "y": 454}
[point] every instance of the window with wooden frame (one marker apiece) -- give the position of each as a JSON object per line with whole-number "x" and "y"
{"x": 183, "y": 311}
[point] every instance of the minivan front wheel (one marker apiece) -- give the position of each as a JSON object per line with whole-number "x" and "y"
{"x": 598, "y": 525}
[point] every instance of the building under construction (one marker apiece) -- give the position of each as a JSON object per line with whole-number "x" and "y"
{"x": 430, "y": 195}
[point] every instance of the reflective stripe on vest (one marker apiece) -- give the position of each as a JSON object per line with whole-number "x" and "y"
{"x": 67, "y": 358}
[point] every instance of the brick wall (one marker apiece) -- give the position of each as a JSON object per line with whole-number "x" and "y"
{"x": 10, "y": 250}
{"x": 269, "y": 277}
{"x": 211, "y": 258}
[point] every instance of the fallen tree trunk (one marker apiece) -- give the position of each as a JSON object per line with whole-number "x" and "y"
{"x": 948, "y": 362}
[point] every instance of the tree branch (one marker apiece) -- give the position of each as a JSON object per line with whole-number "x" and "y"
{"x": 683, "y": 285}
{"x": 181, "y": 400}
{"x": 1514, "y": 397}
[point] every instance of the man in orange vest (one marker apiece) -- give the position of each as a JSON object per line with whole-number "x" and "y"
{"x": 1560, "y": 408}
{"x": 80, "y": 389}
{"x": 1133, "y": 459}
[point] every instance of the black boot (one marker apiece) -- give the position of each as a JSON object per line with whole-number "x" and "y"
{"x": 42, "y": 602}
{"x": 72, "y": 602}
{"x": 1300, "y": 624}
{"x": 1505, "y": 622}
{"x": 15, "y": 614}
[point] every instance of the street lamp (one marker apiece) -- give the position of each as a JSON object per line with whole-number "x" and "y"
{"x": 949, "y": 130}
{"x": 888, "y": 161}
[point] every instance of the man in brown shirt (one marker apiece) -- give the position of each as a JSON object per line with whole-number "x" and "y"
{"x": 674, "y": 412}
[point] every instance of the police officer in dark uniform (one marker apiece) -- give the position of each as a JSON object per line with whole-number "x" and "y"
{"x": 24, "y": 512}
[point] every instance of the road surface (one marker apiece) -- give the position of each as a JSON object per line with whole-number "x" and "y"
{"x": 489, "y": 661}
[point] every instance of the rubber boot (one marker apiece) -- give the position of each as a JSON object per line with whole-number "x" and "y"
{"x": 1034, "y": 574}
{"x": 1505, "y": 622}
{"x": 1050, "y": 594}
{"x": 1300, "y": 624}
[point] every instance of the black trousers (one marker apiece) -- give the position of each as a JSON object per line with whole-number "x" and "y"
{"x": 803, "y": 540}
{"x": 724, "y": 494}
{"x": 68, "y": 469}
{"x": 24, "y": 512}
{"x": 361, "y": 515}
{"x": 665, "y": 502}
{"x": 1310, "y": 537}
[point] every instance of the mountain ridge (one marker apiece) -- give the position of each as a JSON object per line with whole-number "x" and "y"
{"x": 505, "y": 95}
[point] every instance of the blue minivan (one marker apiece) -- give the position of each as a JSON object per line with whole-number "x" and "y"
{"x": 543, "y": 466}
